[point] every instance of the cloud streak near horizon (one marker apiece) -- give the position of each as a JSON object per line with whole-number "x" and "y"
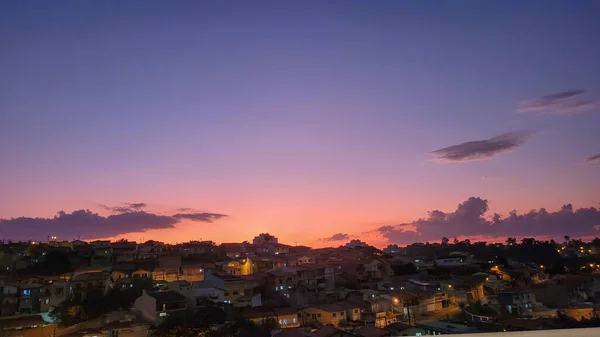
{"x": 481, "y": 149}
{"x": 337, "y": 237}
{"x": 469, "y": 220}
{"x": 88, "y": 225}
{"x": 558, "y": 103}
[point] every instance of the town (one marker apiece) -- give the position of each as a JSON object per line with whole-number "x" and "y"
{"x": 267, "y": 288}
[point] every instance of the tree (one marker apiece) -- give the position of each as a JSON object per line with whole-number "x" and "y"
{"x": 69, "y": 313}
{"x": 528, "y": 241}
{"x": 511, "y": 241}
{"x": 567, "y": 238}
{"x": 455, "y": 241}
{"x": 268, "y": 325}
{"x": 445, "y": 241}
{"x": 596, "y": 242}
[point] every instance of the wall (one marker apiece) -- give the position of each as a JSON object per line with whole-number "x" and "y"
{"x": 146, "y": 304}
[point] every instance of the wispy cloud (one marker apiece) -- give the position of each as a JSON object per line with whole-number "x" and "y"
{"x": 201, "y": 217}
{"x": 482, "y": 149}
{"x": 337, "y": 237}
{"x": 469, "y": 219}
{"x": 559, "y": 103}
{"x": 595, "y": 159}
{"x": 126, "y": 207}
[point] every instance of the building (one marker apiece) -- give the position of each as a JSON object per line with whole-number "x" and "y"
{"x": 157, "y": 306}
{"x": 198, "y": 294}
{"x": 54, "y": 292}
{"x": 94, "y": 284}
{"x": 332, "y": 313}
{"x": 286, "y": 317}
{"x": 196, "y": 248}
{"x": 236, "y": 290}
{"x": 102, "y": 248}
{"x": 150, "y": 250}
{"x": 518, "y": 302}
{"x": 451, "y": 261}
{"x": 264, "y": 239}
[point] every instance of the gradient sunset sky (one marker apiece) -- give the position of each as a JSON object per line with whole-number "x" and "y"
{"x": 315, "y": 121}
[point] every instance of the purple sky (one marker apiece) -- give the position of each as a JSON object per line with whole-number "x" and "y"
{"x": 301, "y": 118}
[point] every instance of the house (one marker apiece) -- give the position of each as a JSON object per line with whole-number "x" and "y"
{"x": 515, "y": 301}
{"x": 242, "y": 266}
{"x": 371, "y": 331}
{"x": 234, "y": 250}
{"x": 286, "y": 317}
{"x": 465, "y": 289}
{"x": 168, "y": 269}
{"x": 199, "y": 294}
{"x": 196, "y": 248}
{"x": 451, "y": 261}
{"x": 417, "y": 302}
{"x": 53, "y": 293}
{"x": 112, "y": 324}
{"x": 282, "y": 281}
{"x": 122, "y": 271}
{"x": 235, "y": 289}
{"x": 90, "y": 284}
{"x": 401, "y": 329}
{"x": 264, "y": 239}
{"x": 179, "y": 286}
{"x": 29, "y": 302}
{"x": 157, "y": 306}
{"x": 150, "y": 250}
{"x": 281, "y": 249}
{"x": 332, "y": 313}
{"x": 102, "y": 248}
{"x": 377, "y": 310}
{"x": 191, "y": 272}
{"x": 10, "y": 299}
{"x": 304, "y": 259}
{"x": 124, "y": 251}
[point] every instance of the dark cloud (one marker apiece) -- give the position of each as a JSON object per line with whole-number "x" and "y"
{"x": 201, "y": 217}
{"x": 594, "y": 159}
{"x": 469, "y": 220}
{"x": 87, "y": 225}
{"x": 126, "y": 207}
{"x": 337, "y": 237}
{"x": 559, "y": 103}
{"x": 482, "y": 149}
{"x": 184, "y": 209}
{"x": 82, "y": 223}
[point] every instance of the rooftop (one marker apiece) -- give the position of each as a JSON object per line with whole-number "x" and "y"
{"x": 167, "y": 296}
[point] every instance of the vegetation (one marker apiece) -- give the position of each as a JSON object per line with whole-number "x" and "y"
{"x": 72, "y": 312}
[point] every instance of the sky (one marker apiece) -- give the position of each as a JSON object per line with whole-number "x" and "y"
{"x": 315, "y": 121}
